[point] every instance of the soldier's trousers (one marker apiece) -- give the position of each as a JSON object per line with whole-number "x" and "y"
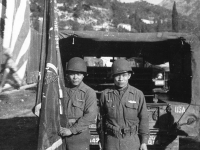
{"x": 78, "y": 142}
{"x": 129, "y": 142}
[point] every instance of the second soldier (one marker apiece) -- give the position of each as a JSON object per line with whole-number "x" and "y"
{"x": 123, "y": 112}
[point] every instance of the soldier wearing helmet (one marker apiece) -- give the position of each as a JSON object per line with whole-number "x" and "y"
{"x": 80, "y": 106}
{"x": 123, "y": 112}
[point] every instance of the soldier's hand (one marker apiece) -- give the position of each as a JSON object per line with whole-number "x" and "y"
{"x": 64, "y": 132}
{"x": 143, "y": 146}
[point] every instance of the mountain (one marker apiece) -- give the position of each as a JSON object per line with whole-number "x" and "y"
{"x": 189, "y": 8}
{"x": 141, "y": 15}
{"x": 107, "y": 15}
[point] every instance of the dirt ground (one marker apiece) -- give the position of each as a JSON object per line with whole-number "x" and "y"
{"x": 19, "y": 126}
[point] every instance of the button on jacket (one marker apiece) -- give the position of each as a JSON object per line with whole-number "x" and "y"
{"x": 81, "y": 106}
{"x": 125, "y": 112}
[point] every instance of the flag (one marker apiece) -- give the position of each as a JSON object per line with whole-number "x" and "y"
{"x": 17, "y": 37}
{"x": 2, "y": 16}
{"x": 2, "y": 23}
{"x": 50, "y": 87}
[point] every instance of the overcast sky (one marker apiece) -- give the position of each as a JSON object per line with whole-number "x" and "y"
{"x": 150, "y": 1}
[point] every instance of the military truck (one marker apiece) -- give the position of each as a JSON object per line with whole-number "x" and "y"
{"x": 172, "y": 92}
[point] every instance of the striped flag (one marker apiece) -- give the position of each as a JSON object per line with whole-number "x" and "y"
{"x": 2, "y": 16}
{"x": 51, "y": 85}
{"x": 2, "y": 23}
{"x": 17, "y": 36}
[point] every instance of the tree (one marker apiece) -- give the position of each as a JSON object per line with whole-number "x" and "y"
{"x": 75, "y": 26}
{"x": 119, "y": 15}
{"x": 88, "y": 27}
{"x": 158, "y": 26}
{"x": 137, "y": 25}
{"x": 175, "y": 27}
{"x": 37, "y": 10}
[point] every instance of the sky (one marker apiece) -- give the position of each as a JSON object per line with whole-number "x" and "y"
{"x": 150, "y": 1}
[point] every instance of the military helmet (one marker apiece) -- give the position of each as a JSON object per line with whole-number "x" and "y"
{"x": 76, "y": 64}
{"x": 121, "y": 66}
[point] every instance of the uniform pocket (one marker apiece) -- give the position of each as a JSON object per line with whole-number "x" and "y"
{"x": 110, "y": 108}
{"x": 131, "y": 105}
{"x": 78, "y": 107}
{"x": 79, "y": 103}
{"x": 131, "y": 110}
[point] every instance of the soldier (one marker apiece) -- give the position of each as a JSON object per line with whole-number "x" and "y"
{"x": 10, "y": 71}
{"x": 124, "y": 113}
{"x": 80, "y": 106}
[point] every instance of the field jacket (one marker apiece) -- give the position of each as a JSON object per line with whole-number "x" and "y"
{"x": 81, "y": 106}
{"x": 128, "y": 111}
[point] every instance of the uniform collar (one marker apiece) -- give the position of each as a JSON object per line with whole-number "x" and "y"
{"x": 112, "y": 89}
{"x": 130, "y": 89}
{"x": 82, "y": 87}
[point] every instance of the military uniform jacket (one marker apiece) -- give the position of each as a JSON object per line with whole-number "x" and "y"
{"x": 125, "y": 112}
{"x": 80, "y": 104}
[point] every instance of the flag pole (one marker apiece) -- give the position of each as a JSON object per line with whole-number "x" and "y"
{"x": 42, "y": 60}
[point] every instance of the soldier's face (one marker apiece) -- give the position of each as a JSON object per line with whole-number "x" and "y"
{"x": 121, "y": 80}
{"x": 75, "y": 78}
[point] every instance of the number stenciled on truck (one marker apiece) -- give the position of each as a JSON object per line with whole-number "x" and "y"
{"x": 151, "y": 140}
{"x": 179, "y": 109}
{"x": 94, "y": 139}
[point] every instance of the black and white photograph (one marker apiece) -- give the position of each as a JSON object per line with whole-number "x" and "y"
{"x": 99, "y": 75}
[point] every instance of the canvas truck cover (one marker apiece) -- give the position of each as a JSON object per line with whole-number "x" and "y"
{"x": 156, "y": 48}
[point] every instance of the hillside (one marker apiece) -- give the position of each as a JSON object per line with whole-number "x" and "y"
{"x": 142, "y": 16}
{"x": 188, "y": 8}
{"x": 106, "y": 15}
